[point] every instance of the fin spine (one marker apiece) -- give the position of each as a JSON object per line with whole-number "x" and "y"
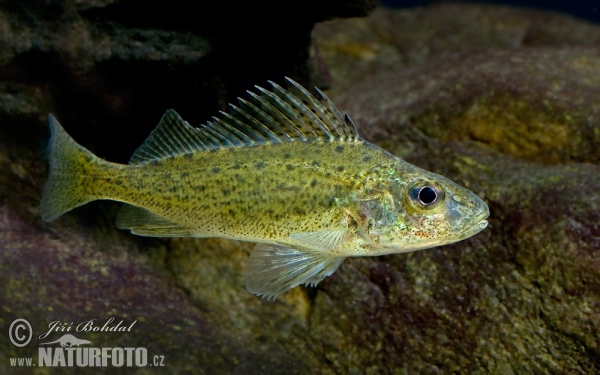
{"x": 267, "y": 116}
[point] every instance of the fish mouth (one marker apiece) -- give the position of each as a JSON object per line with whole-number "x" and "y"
{"x": 480, "y": 225}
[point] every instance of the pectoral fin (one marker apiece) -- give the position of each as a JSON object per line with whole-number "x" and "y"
{"x": 144, "y": 222}
{"x": 325, "y": 239}
{"x": 274, "y": 268}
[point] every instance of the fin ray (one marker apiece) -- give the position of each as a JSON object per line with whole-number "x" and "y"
{"x": 274, "y": 116}
{"x": 324, "y": 240}
{"x": 144, "y": 222}
{"x": 62, "y": 191}
{"x": 284, "y": 122}
{"x": 285, "y": 108}
{"x": 253, "y": 124}
{"x": 274, "y": 268}
{"x": 307, "y": 118}
{"x": 172, "y": 136}
{"x": 319, "y": 112}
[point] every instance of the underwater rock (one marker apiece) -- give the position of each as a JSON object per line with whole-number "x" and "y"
{"x": 500, "y": 100}
{"x": 533, "y": 104}
{"x": 513, "y": 116}
{"x": 108, "y": 69}
{"x": 394, "y": 40}
{"x": 73, "y": 275}
{"x": 517, "y": 84}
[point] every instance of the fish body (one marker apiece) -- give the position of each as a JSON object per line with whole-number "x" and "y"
{"x": 285, "y": 170}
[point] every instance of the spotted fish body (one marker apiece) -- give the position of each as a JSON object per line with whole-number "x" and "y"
{"x": 285, "y": 170}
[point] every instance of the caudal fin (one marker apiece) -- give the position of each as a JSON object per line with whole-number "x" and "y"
{"x": 68, "y": 161}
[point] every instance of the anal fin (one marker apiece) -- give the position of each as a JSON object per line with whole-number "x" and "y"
{"x": 144, "y": 222}
{"x": 274, "y": 268}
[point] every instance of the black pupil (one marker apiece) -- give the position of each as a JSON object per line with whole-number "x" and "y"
{"x": 427, "y": 195}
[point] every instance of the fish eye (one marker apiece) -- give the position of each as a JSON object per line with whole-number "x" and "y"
{"x": 425, "y": 195}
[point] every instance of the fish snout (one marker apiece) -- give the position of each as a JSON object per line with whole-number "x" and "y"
{"x": 466, "y": 213}
{"x": 477, "y": 218}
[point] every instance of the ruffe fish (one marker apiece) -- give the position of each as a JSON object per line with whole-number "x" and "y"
{"x": 283, "y": 169}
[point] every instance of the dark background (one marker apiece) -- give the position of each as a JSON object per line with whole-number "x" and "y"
{"x": 586, "y": 9}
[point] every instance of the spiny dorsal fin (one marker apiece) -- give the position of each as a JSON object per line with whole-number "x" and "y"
{"x": 274, "y": 116}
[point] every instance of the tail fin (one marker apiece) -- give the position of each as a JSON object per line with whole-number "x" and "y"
{"x": 63, "y": 190}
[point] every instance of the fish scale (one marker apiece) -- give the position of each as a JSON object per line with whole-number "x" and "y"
{"x": 307, "y": 189}
{"x": 282, "y": 169}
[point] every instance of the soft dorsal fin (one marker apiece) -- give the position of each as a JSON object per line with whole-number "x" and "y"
{"x": 172, "y": 136}
{"x": 274, "y": 116}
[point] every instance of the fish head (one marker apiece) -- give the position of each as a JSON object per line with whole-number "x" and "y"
{"x": 426, "y": 210}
